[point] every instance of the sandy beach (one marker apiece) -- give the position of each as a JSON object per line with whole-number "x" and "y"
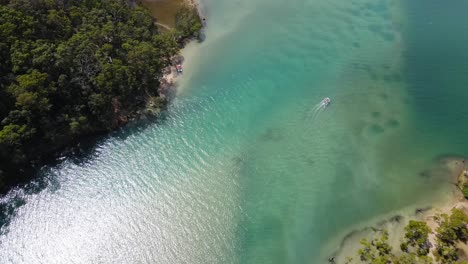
{"x": 395, "y": 222}
{"x": 164, "y": 12}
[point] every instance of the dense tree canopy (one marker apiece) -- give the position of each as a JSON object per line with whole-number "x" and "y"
{"x": 71, "y": 68}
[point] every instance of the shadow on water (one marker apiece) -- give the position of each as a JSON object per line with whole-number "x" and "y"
{"x": 45, "y": 178}
{"x": 271, "y": 134}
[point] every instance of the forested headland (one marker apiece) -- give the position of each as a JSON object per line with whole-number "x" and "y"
{"x": 74, "y": 68}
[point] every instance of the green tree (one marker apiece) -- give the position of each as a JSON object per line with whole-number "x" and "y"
{"x": 13, "y": 134}
{"x": 417, "y": 236}
{"x": 187, "y": 22}
{"x": 73, "y": 68}
{"x": 454, "y": 227}
{"x": 377, "y": 251}
{"x": 451, "y": 229}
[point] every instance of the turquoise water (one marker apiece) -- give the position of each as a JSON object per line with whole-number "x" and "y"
{"x": 241, "y": 169}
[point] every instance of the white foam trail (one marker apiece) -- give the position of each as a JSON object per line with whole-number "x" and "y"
{"x": 311, "y": 112}
{"x": 315, "y": 111}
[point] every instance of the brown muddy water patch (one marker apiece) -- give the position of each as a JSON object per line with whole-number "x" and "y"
{"x": 163, "y": 10}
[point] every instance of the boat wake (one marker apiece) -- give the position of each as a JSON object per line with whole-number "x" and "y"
{"x": 318, "y": 108}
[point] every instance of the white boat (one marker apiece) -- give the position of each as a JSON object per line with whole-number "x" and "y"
{"x": 325, "y": 102}
{"x": 179, "y": 68}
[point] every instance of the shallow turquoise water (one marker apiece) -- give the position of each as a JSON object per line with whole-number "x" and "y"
{"x": 241, "y": 169}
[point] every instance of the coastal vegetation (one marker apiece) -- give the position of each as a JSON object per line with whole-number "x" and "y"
{"x": 76, "y": 68}
{"x": 462, "y": 183}
{"x": 445, "y": 247}
{"x": 187, "y": 22}
{"x": 164, "y": 10}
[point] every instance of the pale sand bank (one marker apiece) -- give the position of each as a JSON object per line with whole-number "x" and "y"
{"x": 395, "y": 222}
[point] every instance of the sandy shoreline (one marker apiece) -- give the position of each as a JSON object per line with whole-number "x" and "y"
{"x": 395, "y": 222}
{"x": 170, "y": 78}
{"x": 458, "y": 201}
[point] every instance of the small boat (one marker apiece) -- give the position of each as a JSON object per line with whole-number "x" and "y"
{"x": 325, "y": 102}
{"x": 179, "y": 68}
